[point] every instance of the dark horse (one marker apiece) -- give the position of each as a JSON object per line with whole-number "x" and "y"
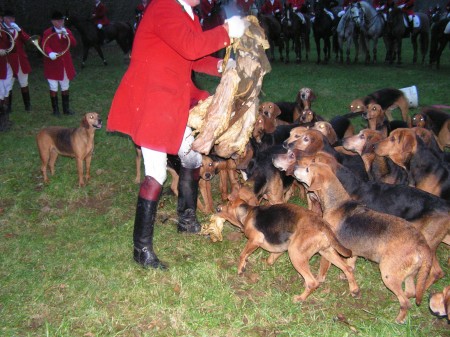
{"x": 272, "y": 28}
{"x": 121, "y": 32}
{"x": 322, "y": 30}
{"x": 394, "y": 33}
{"x": 291, "y": 26}
{"x": 439, "y": 41}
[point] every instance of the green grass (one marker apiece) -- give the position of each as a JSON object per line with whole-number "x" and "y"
{"x": 65, "y": 252}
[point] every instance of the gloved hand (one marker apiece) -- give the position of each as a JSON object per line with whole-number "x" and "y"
{"x": 99, "y": 26}
{"x": 15, "y": 26}
{"x": 231, "y": 64}
{"x": 236, "y": 26}
{"x": 401, "y": 6}
{"x": 52, "y": 56}
{"x": 64, "y": 31}
{"x": 2, "y": 52}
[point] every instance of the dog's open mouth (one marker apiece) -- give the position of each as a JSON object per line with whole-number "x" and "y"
{"x": 98, "y": 125}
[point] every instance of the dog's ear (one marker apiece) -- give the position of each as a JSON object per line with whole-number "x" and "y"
{"x": 85, "y": 123}
{"x": 276, "y": 111}
{"x": 316, "y": 183}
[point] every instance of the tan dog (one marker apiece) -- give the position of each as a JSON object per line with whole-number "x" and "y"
{"x": 77, "y": 143}
{"x": 207, "y": 172}
{"x": 440, "y": 303}
{"x": 400, "y": 249}
{"x": 267, "y": 120}
{"x": 291, "y": 228}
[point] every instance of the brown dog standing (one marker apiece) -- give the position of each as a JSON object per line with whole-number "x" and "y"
{"x": 400, "y": 249}
{"x": 287, "y": 227}
{"x": 77, "y": 143}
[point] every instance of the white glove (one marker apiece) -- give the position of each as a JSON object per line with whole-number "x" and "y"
{"x": 99, "y": 26}
{"x": 236, "y": 26}
{"x": 231, "y": 64}
{"x": 52, "y": 56}
{"x": 15, "y": 26}
{"x": 2, "y": 52}
{"x": 401, "y": 6}
{"x": 64, "y": 31}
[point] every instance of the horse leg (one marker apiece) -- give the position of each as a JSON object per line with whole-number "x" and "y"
{"x": 85, "y": 56}
{"x": 100, "y": 53}
{"x": 327, "y": 49}
{"x": 414, "y": 44}
{"x": 399, "y": 51}
{"x": 374, "y": 50}
{"x": 318, "y": 49}
{"x": 298, "y": 49}
{"x": 424, "y": 45}
{"x": 286, "y": 61}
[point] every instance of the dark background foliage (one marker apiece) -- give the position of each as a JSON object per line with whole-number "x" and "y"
{"x": 33, "y": 15}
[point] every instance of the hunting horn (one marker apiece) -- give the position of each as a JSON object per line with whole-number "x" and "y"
{"x": 13, "y": 43}
{"x": 35, "y": 41}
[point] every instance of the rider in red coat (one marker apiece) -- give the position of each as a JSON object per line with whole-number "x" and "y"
{"x": 152, "y": 104}
{"x": 100, "y": 19}
{"x": 272, "y": 7}
{"x": 17, "y": 58}
{"x": 245, "y": 6}
{"x": 58, "y": 69}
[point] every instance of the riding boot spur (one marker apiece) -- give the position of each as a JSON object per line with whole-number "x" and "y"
{"x": 144, "y": 224}
{"x": 65, "y": 103}
{"x": 26, "y": 98}
{"x": 54, "y": 100}
{"x": 187, "y": 200}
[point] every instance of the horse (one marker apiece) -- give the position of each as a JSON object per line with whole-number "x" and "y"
{"x": 272, "y": 28}
{"x": 291, "y": 27}
{"x": 439, "y": 41}
{"x": 371, "y": 24}
{"x": 423, "y": 33}
{"x": 120, "y": 31}
{"x": 322, "y": 30}
{"x": 348, "y": 31}
{"x": 394, "y": 33}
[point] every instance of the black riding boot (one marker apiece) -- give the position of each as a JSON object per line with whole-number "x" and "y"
{"x": 65, "y": 103}
{"x": 26, "y": 98}
{"x": 54, "y": 100}
{"x": 5, "y": 125}
{"x": 187, "y": 200}
{"x": 8, "y": 102}
{"x": 144, "y": 223}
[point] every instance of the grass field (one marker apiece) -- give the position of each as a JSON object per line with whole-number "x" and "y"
{"x": 65, "y": 252}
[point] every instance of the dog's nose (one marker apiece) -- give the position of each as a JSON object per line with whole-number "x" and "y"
{"x": 208, "y": 176}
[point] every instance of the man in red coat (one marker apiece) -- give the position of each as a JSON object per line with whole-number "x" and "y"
{"x": 272, "y": 7}
{"x": 152, "y": 106}
{"x": 100, "y": 19}
{"x": 245, "y": 6}
{"x": 407, "y": 6}
{"x": 17, "y": 58}
{"x": 58, "y": 69}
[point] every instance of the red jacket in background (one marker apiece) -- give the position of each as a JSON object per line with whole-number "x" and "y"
{"x": 54, "y": 70}
{"x": 99, "y": 15}
{"x": 270, "y": 9}
{"x": 18, "y": 56}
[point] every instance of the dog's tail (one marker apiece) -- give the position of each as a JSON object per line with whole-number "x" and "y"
{"x": 424, "y": 271}
{"x": 335, "y": 242}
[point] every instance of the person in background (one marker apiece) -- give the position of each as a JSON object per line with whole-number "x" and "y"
{"x": 407, "y": 6}
{"x": 100, "y": 19}
{"x": 139, "y": 12}
{"x": 5, "y": 43}
{"x": 58, "y": 69}
{"x": 272, "y": 7}
{"x": 18, "y": 58}
{"x": 245, "y": 6}
{"x": 152, "y": 106}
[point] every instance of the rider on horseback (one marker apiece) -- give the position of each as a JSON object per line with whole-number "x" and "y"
{"x": 272, "y": 7}
{"x": 206, "y": 8}
{"x": 100, "y": 19}
{"x": 298, "y": 8}
{"x": 383, "y": 6}
{"x": 346, "y": 5}
{"x": 407, "y": 7}
{"x": 326, "y": 5}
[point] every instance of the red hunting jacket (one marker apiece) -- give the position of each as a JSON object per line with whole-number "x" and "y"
{"x": 270, "y": 9}
{"x": 99, "y": 15}
{"x": 54, "y": 70}
{"x": 18, "y": 56}
{"x": 5, "y": 43}
{"x": 153, "y": 99}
